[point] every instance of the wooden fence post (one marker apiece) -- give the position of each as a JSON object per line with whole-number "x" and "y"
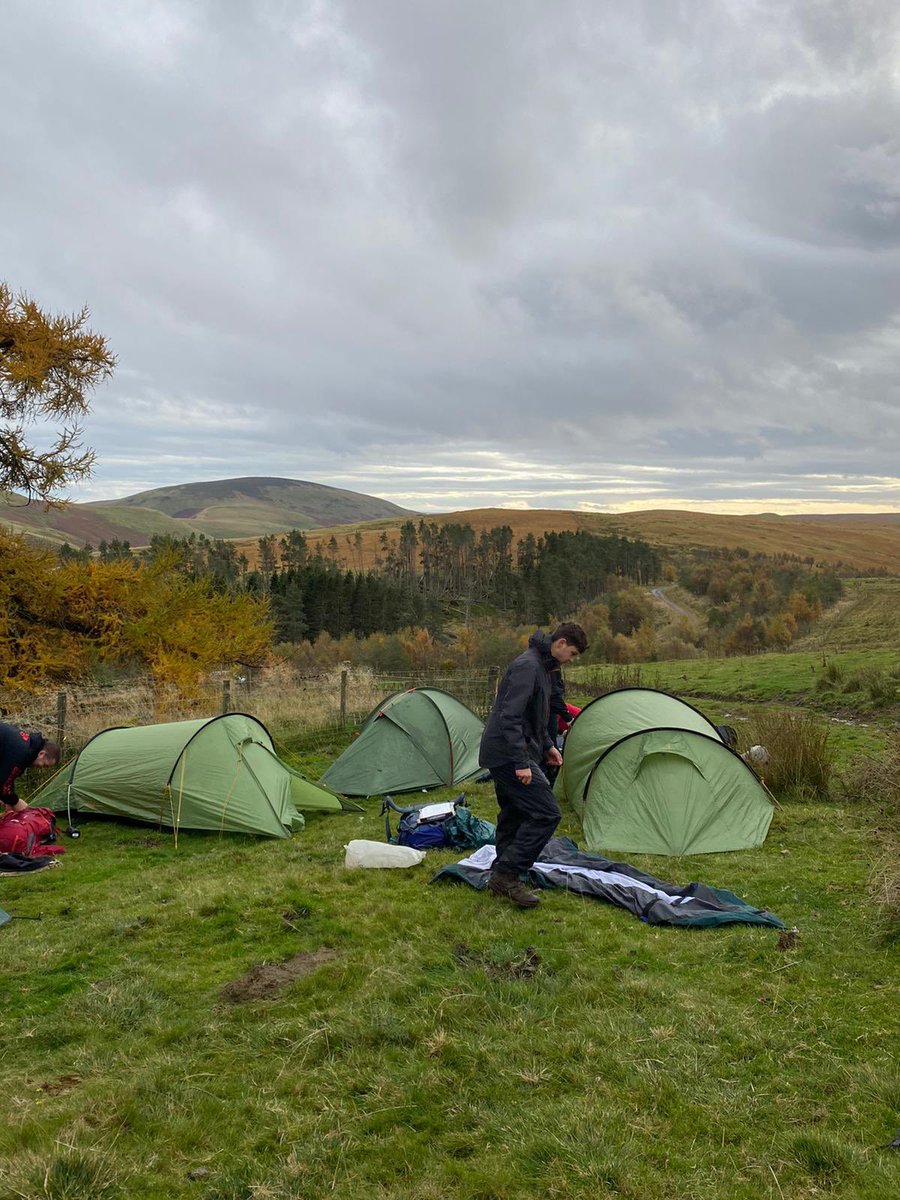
{"x": 493, "y": 677}
{"x": 343, "y": 717}
{"x": 60, "y": 717}
{"x": 226, "y": 695}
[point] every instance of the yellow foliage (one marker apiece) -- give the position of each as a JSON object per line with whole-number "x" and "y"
{"x": 420, "y": 647}
{"x": 55, "y": 620}
{"x": 48, "y": 365}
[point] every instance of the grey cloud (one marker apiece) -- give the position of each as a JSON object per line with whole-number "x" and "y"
{"x": 332, "y": 237}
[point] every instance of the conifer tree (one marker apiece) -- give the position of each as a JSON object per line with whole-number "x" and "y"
{"x": 48, "y": 367}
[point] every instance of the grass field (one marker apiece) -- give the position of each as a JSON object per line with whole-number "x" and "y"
{"x": 865, "y": 617}
{"x": 832, "y": 682}
{"x": 434, "y": 1042}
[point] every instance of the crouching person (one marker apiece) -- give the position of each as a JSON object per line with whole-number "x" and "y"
{"x": 515, "y": 746}
{"x": 19, "y": 751}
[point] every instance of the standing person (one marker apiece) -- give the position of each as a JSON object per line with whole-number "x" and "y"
{"x": 516, "y": 741}
{"x": 19, "y": 751}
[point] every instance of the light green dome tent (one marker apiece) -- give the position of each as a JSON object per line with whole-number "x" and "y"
{"x": 417, "y": 739}
{"x": 219, "y": 773}
{"x": 648, "y": 773}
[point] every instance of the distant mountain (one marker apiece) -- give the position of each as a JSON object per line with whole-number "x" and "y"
{"x": 226, "y": 508}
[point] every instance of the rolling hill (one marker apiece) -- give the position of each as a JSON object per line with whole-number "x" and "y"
{"x": 860, "y": 543}
{"x": 225, "y": 508}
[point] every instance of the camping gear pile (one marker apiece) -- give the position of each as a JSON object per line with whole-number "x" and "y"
{"x": 28, "y": 840}
{"x": 436, "y": 826}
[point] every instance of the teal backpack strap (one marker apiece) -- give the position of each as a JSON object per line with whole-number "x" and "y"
{"x": 386, "y": 805}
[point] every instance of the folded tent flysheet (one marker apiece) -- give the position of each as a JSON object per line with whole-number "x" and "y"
{"x": 563, "y": 865}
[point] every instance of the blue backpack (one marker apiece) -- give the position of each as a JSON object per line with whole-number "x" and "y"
{"x": 433, "y": 826}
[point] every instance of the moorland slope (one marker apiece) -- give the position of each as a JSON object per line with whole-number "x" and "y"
{"x": 864, "y": 544}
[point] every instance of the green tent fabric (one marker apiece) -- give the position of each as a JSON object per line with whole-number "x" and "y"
{"x": 413, "y": 740}
{"x": 647, "y": 773}
{"x": 220, "y": 773}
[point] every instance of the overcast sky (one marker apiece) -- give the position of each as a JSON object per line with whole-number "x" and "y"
{"x": 555, "y": 253}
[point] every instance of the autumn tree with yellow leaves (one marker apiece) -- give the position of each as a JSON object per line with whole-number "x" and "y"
{"x": 57, "y": 620}
{"x": 49, "y": 365}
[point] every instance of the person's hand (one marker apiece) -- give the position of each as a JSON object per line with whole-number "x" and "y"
{"x": 523, "y": 774}
{"x": 554, "y": 758}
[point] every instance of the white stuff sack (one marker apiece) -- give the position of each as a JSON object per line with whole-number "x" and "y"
{"x": 757, "y": 755}
{"x": 362, "y": 853}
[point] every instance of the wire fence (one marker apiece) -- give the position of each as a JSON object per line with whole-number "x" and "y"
{"x": 291, "y": 704}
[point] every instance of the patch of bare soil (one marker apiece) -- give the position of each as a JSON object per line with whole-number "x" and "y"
{"x": 269, "y": 980}
{"x": 524, "y": 967}
{"x": 63, "y": 1084}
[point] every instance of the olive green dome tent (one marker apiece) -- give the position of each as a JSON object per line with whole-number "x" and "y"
{"x": 220, "y": 773}
{"x": 647, "y": 773}
{"x": 418, "y": 739}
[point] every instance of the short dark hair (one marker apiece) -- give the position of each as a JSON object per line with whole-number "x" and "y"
{"x": 571, "y": 633}
{"x": 52, "y": 752}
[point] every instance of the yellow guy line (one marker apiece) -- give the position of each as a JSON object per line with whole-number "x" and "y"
{"x": 231, "y": 789}
{"x": 180, "y": 793}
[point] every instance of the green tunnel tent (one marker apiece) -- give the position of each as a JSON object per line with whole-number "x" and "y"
{"x": 417, "y": 739}
{"x": 220, "y": 773}
{"x": 647, "y": 773}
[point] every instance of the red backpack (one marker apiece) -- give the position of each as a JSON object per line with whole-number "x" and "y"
{"x": 31, "y": 833}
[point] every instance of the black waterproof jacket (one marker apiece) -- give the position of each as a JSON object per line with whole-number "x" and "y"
{"x": 18, "y": 750}
{"x": 557, "y": 703}
{"x": 516, "y": 731}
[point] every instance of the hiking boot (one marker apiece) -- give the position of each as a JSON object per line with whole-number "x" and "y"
{"x": 511, "y": 886}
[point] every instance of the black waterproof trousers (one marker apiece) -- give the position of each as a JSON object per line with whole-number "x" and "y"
{"x": 528, "y": 816}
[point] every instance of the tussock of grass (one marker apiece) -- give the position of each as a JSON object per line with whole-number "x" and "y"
{"x": 69, "y": 1175}
{"x": 801, "y": 755}
{"x": 875, "y": 782}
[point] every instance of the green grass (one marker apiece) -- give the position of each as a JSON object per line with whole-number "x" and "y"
{"x": 634, "y": 1062}
{"x": 792, "y": 678}
{"x": 142, "y": 520}
{"x": 865, "y": 617}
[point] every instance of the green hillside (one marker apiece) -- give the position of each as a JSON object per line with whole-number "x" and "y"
{"x": 868, "y": 617}
{"x": 256, "y": 505}
{"x": 79, "y": 524}
{"x": 224, "y": 508}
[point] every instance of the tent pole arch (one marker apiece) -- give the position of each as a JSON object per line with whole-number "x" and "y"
{"x": 662, "y": 729}
{"x": 71, "y": 780}
{"x": 383, "y": 710}
{"x": 437, "y": 708}
{"x": 655, "y": 691}
{"x": 206, "y": 725}
{"x": 255, "y": 778}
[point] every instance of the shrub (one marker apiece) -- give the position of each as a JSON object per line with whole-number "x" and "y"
{"x": 854, "y": 683}
{"x": 882, "y": 689}
{"x": 875, "y": 782}
{"x": 832, "y": 672}
{"x": 801, "y": 754}
{"x": 614, "y": 678}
